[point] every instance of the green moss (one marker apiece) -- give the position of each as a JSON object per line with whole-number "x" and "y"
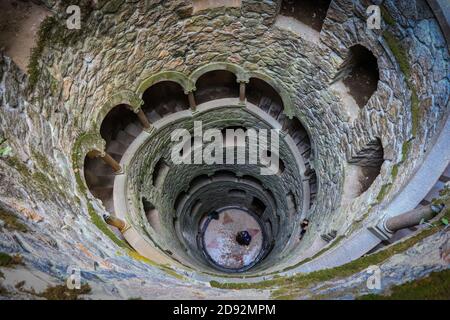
{"x": 11, "y": 221}
{"x": 52, "y": 31}
{"x": 402, "y": 58}
{"x": 8, "y": 261}
{"x": 291, "y": 284}
{"x": 102, "y": 226}
{"x": 387, "y": 16}
{"x": 400, "y": 54}
{"x": 394, "y": 172}
{"x": 405, "y": 150}
{"x": 434, "y": 287}
{"x": 333, "y": 244}
{"x": 383, "y": 191}
{"x": 61, "y": 292}
{"x": 415, "y": 111}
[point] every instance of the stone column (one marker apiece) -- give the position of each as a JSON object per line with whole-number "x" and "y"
{"x": 411, "y": 218}
{"x": 116, "y": 222}
{"x": 143, "y": 119}
{"x": 112, "y": 163}
{"x": 385, "y": 229}
{"x": 192, "y": 103}
{"x": 242, "y": 87}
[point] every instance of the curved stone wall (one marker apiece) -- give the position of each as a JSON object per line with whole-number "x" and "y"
{"x": 52, "y": 120}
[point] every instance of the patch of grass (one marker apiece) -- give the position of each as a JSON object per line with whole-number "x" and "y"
{"x": 434, "y": 287}
{"x": 383, "y": 191}
{"x": 12, "y": 222}
{"x": 8, "y": 261}
{"x": 61, "y": 292}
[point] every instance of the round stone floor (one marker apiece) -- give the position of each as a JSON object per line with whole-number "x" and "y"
{"x": 220, "y": 243}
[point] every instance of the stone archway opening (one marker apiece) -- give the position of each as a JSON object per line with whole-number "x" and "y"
{"x": 310, "y": 12}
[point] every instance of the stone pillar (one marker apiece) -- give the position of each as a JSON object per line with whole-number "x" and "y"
{"x": 112, "y": 163}
{"x": 411, "y": 218}
{"x": 143, "y": 119}
{"x": 386, "y": 228}
{"x": 242, "y": 87}
{"x": 192, "y": 103}
{"x": 116, "y": 222}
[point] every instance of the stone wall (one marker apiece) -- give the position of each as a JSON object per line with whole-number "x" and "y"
{"x": 123, "y": 42}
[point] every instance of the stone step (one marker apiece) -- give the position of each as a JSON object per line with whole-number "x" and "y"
{"x": 116, "y": 147}
{"x": 105, "y": 181}
{"x": 133, "y": 129}
{"x": 153, "y": 116}
{"x": 99, "y": 168}
{"x": 265, "y": 104}
{"x": 125, "y": 138}
{"x": 102, "y": 193}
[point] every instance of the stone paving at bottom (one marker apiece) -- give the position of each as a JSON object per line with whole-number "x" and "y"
{"x": 220, "y": 239}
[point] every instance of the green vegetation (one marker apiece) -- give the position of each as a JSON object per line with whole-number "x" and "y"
{"x": 402, "y": 58}
{"x": 52, "y": 31}
{"x": 5, "y": 149}
{"x": 387, "y": 16}
{"x": 434, "y": 287}
{"x": 8, "y": 261}
{"x": 61, "y": 292}
{"x": 415, "y": 111}
{"x": 383, "y": 191}
{"x": 332, "y": 245}
{"x": 12, "y": 222}
{"x": 102, "y": 226}
{"x": 399, "y": 53}
{"x": 394, "y": 172}
{"x": 44, "y": 35}
{"x": 405, "y": 150}
{"x": 288, "y": 287}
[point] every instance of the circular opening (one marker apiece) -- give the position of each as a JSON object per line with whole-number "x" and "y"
{"x": 232, "y": 239}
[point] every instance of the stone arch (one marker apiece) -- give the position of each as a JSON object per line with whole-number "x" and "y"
{"x": 85, "y": 143}
{"x": 239, "y": 72}
{"x": 173, "y": 76}
{"x": 288, "y": 105}
{"x": 362, "y": 73}
{"x": 126, "y": 97}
